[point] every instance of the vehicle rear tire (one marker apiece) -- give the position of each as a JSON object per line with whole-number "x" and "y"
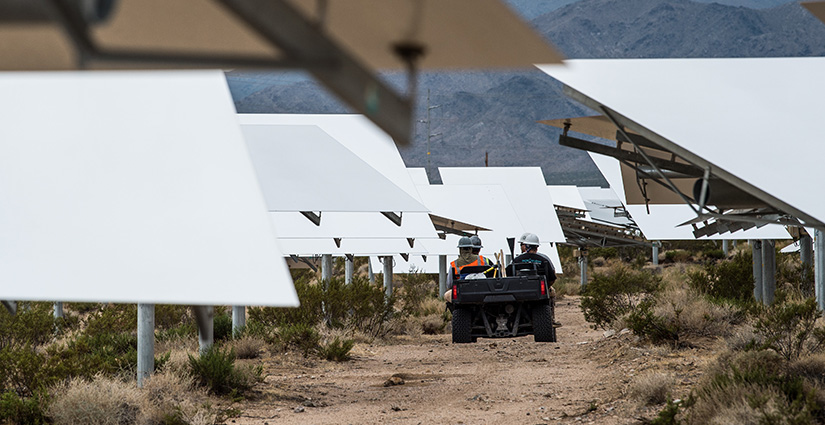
{"x": 462, "y": 326}
{"x": 543, "y": 329}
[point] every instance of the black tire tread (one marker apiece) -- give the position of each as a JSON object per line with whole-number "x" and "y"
{"x": 462, "y": 326}
{"x": 543, "y": 329}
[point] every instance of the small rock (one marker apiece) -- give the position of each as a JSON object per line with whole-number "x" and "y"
{"x": 608, "y": 333}
{"x": 624, "y": 331}
{"x": 393, "y": 381}
{"x": 299, "y": 409}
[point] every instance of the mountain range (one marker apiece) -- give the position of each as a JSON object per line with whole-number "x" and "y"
{"x": 491, "y": 117}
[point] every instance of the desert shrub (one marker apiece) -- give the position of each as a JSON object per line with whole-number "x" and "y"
{"x": 116, "y": 318}
{"x": 336, "y": 350}
{"x": 222, "y": 330}
{"x": 695, "y": 315}
{"x": 23, "y": 370}
{"x": 101, "y": 401}
{"x": 215, "y": 370}
{"x": 308, "y": 313}
{"x": 753, "y": 387}
{"x": 645, "y": 323}
{"x": 726, "y": 281}
{"x": 789, "y": 326}
{"x": 32, "y": 325}
{"x": 713, "y": 254}
{"x": 23, "y": 410}
{"x": 247, "y": 347}
{"x": 791, "y": 273}
{"x": 168, "y": 316}
{"x": 301, "y": 337}
{"x": 187, "y": 330}
{"x": 414, "y": 289}
{"x": 87, "y": 355}
{"x": 358, "y": 305}
{"x": 610, "y": 295}
{"x": 83, "y": 308}
{"x": 651, "y": 388}
{"x": 677, "y": 256}
{"x": 603, "y": 252}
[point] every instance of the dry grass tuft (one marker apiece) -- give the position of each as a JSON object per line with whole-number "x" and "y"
{"x": 247, "y": 347}
{"x": 166, "y": 392}
{"x": 432, "y": 306}
{"x": 694, "y": 314}
{"x": 433, "y": 324}
{"x": 652, "y": 388}
{"x": 406, "y": 325}
{"x": 103, "y": 401}
{"x": 733, "y": 405}
{"x": 567, "y": 286}
{"x": 742, "y": 338}
{"x": 810, "y": 367}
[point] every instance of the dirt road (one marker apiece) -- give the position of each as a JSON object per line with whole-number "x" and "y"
{"x": 430, "y": 380}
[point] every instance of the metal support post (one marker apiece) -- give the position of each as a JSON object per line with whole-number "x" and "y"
{"x": 58, "y": 310}
{"x": 326, "y": 267}
{"x": 442, "y": 276}
{"x": 725, "y": 247}
{"x": 768, "y": 271}
{"x": 238, "y": 319}
{"x": 756, "y": 246}
{"x": 349, "y": 269}
{"x": 11, "y": 306}
{"x": 806, "y": 256}
{"x": 656, "y": 253}
{"x": 508, "y": 259}
{"x": 145, "y": 342}
{"x": 388, "y": 275}
{"x": 819, "y": 267}
{"x": 583, "y": 267}
{"x": 205, "y": 317}
{"x": 371, "y": 272}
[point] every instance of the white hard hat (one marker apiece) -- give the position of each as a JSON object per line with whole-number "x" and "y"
{"x": 529, "y": 239}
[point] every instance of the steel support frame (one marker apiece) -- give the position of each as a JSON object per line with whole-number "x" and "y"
{"x": 768, "y": 271}
{"x": 623, "y": 122}
{"x": 304, "y": 44}
{"x": 205, "y": 318}
{"x": 145, "y": 342}
{"x": 388, "y": 275}
{"x": 756, "y": 248}
{"x": 442, "y": 276}
{"x": 819, "y": 268}
{"x": 283, "y": 25}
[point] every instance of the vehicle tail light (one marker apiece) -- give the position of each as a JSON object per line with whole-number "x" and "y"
{"x": 455, "y": 291}
{"x": 543, "y": 288}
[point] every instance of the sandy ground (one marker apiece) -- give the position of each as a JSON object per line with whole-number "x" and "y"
{"x": 583, "y": 378}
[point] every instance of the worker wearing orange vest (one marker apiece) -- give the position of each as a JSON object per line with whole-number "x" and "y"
{"x": 465, "y": 258}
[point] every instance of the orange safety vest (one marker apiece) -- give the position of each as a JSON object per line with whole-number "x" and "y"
{"x": 480, "y": 262}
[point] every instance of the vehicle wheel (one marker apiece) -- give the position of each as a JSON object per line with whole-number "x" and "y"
{"x": 462, "y": 326}
{"x": 543, "y": 329}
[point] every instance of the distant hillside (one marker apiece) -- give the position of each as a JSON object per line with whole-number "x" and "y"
{"x": 475, "y": 113}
